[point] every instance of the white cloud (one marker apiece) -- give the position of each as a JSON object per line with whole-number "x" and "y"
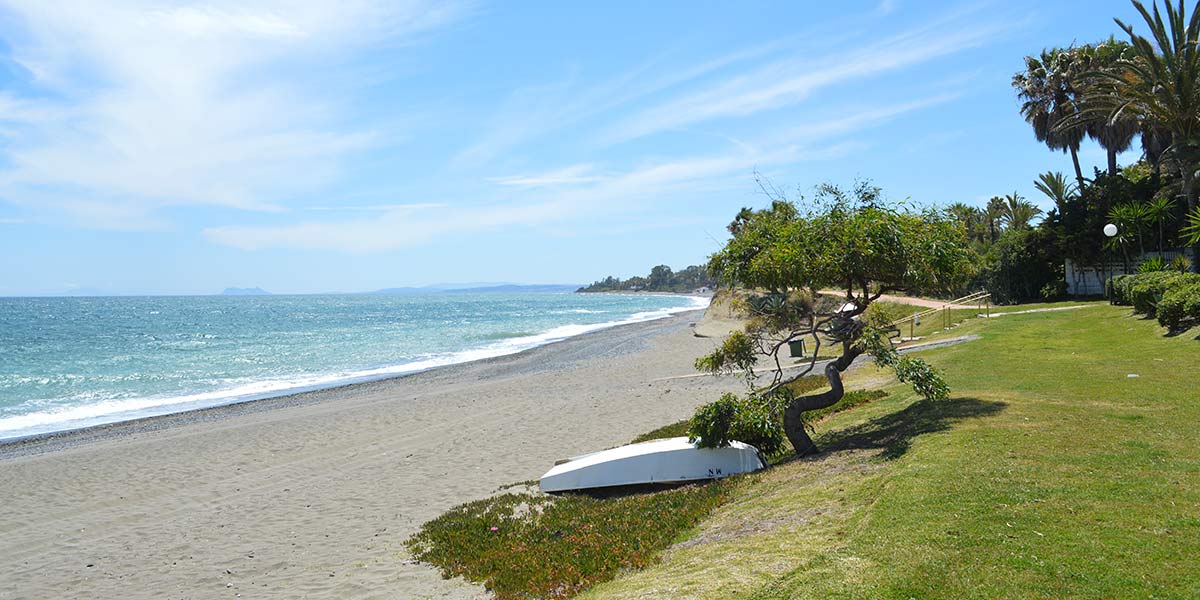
{"x": 625, "y": 193}
{"x": 789, "y": 81}
{"x": 863, "y": 119}
{"x": 574, "y": 174}
{"x": 139, "y": 107}
{"x": 533, "y": 111}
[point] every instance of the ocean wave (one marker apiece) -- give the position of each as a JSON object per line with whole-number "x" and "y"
{"x": 111, "y": 410}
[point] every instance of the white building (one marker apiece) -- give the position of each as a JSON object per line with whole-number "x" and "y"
{"x": 1089, "y": 280}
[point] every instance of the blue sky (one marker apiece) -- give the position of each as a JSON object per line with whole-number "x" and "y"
{"x": 300, "y": 146}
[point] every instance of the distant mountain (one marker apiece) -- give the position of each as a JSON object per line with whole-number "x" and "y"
{"x": 497, "y": 288}
{"x": 512, "y": 287}
{"x": 234, "y": 291}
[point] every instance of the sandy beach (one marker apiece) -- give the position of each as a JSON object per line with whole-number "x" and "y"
{"x": 313, "y": 495}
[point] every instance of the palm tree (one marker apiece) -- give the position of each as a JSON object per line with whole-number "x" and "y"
{"x": 970, "y": 217}
{"x": 993, "y": 216}
{"x": 1159, "y": 85}
{"x": 1160, "y": 210}
{"x": 1114, "y": 135}
{"x": 1190, "y": 232}
{"x": 1131, "y": 218}
{"x": 1055, "y": 187}
{"x": 1018, "y": 213}
{"x": 1048, "y": 103}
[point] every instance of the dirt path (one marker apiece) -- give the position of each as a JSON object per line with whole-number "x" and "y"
{"x": 899, "y": 299}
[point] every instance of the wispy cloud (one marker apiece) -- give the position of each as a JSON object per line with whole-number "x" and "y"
{"x": 377, "y": 207}
{"x": 623, "y": 193}
{"x": 571, "y": 175}
{"x": 863, "y": 119}
{"x": 133, "y": 108}
{"x": 533, "y": 111}
{"x": 789, "y": 81}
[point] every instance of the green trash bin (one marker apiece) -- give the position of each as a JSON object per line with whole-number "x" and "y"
{"x": 796, "y": 348}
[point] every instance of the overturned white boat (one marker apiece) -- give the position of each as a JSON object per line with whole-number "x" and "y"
{"x": 671, "y": 460}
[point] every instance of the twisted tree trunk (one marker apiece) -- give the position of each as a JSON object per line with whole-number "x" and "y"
{"x": 793, "y": 422}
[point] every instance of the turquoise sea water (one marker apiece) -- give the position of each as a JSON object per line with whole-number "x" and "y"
{"x": 73, "y": 362}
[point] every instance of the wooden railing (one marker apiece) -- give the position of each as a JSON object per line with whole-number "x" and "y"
{"x": 981, "y": 299}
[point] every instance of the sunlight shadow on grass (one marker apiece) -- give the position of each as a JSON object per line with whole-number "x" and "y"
{"x": 893, "y": 433}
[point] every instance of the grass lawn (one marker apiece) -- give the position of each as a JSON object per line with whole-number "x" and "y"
{"x": 1049, "y": 474}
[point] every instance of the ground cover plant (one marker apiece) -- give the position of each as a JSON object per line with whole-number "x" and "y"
{"x": 526, "y": 545}
{"x": 1048, "y": 473}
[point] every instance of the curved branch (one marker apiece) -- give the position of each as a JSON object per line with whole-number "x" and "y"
{"x": 793, "y": 419}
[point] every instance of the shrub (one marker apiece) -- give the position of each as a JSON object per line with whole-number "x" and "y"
{"x": 1152, "y": 264}
{"x": 754, "y": 420}
{"x": 1118, "y": 288}
{"x": 1180, "y": 263}
{"x": 1054, "y": 290}
{"x": 1179, "y": 306}
{"x": 1147, "y": 288}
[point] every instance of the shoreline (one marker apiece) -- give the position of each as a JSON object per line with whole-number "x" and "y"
{"x": 312, "y": 495}
{"x": 39, "y": 443}
{"x": 337, "y": 381}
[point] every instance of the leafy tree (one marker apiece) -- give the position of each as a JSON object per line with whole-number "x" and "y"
{"x": 1021, "y": 263}
{"x": 851, "y": 240}
{"x": 660, "y": 277}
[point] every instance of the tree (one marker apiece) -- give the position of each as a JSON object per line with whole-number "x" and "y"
{"x": 1191, "y": 229}
{"x": 1115, "y": 135}
{"x": 1048, "y": 103}
{"x": 1021, "y": 264}
{"x": 1055, "y": 187}
{"x": 850, "y": 240}
{"x": 1160, "y": 210}
{"x": 660, "y": 277}
{"x": 970, "y": 217}
{"x": 1018, "y": 214}
{"x": 994, "y": 216}
{"x": 1158, "y": 83}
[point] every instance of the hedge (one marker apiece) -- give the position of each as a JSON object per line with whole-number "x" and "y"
{"x": 1145, "y": 290}
{"x": 1179, "y": 305}
{"x": 1118, "y": 288}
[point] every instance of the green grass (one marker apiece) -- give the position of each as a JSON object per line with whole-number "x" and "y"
{"x": 677, "y": 429}
{"x": 1048, "y": 474}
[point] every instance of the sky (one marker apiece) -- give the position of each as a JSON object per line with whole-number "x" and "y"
{"x": 306, "y": 146}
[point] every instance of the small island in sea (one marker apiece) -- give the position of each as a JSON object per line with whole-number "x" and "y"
{"x": 237, "y": 291}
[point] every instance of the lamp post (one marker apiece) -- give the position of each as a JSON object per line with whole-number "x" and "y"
{"x": 1110, "y": 231}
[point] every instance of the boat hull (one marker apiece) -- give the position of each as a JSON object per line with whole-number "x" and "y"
{"x": 672, "y": 460}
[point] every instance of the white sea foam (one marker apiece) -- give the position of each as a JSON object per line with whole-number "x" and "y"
{"x": 105, "y": 411}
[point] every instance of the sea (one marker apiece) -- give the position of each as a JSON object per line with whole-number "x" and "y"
{"x": 68, "y": 363}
